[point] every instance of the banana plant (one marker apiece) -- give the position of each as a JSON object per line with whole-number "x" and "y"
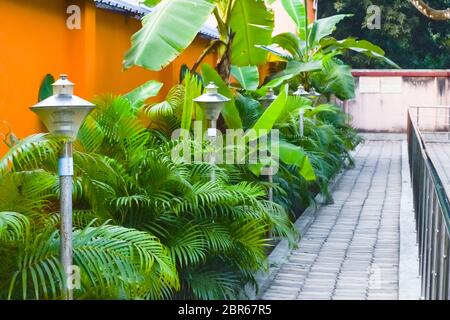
{"x": 172, "y": 25}
{"x": 312, "y": 53}
{"x": 288, "y": 153}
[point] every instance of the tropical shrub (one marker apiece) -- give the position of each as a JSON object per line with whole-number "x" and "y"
{"x": 145, "y": 227}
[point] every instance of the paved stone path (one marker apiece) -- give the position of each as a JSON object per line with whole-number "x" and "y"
{"x": 351, "y": 251}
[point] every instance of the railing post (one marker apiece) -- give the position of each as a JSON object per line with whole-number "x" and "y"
{"x": 435, "y": 252}
{"x": 443, "y": 277}
{"x": 417, "y": 117}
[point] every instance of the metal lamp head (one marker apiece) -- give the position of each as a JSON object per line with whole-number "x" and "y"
{"x": 63, "y": 113}
{"x": 212, "y": 102}
{"x": 301, "y": 92}
{"x": 314, "y": 93}
{"x": 268, "y": 98}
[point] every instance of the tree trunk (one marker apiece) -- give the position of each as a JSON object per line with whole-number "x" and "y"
{"x": 224, "y": 65}
{"x": 431, "y": 13}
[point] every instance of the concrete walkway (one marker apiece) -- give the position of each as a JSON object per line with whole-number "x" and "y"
{"x": 352, "y": 249}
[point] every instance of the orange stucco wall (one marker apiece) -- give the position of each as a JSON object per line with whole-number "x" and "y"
{"x": 34, "y": 41}
{"x": 311, "y": 11}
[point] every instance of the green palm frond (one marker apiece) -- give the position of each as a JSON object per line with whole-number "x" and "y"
{"x": 30, "y": 153}
{"x": 159, "y": 110}
{"x": 188, "y": 246}
{"x": 217, "y": 235}
{"x": 212, "y": 283}
{"x": 28, "y": 191}
{"x": 108, "y": 257}
{"x": 13, "y": 226}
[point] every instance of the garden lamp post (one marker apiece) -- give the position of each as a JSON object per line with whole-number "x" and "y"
{"x": 212, "y": 103}
{"x": 301, "y": 122}
{"x": 63, "y": 114}
{"x": 266, "y": 101}
{"x": 313, "y": 93}
{"x": 301, "y": 92}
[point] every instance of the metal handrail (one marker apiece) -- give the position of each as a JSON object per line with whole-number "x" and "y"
{"x": 436, "y": 107}
{"x": 432, "y": 213}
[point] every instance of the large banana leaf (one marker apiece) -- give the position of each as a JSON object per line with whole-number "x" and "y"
{"x": 193, "y": 89}
{"x": 297, "y": 11}
{"x": 140, "y": 94}
{"x": 230, "y": 113}
{"x": 293, "y": 105}
{"x": 290, "y": 154}
{"x": 248, "y": 77}
{"x": 295, "y": 67}
{"x": 276, "y": 53}
{"x": 291, "y": 43}
{"x": 271, "y": 114}
{"x": 361, "y": 46}
{"x": 252, "y": 25}
{"x": 329, "y": 44}
{"x": 324, "y": 27}
{"x": 274, "y": 83}
{"x": 166, "y": 32}
{"x": 294, "y": 155}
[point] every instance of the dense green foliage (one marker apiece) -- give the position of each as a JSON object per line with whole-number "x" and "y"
{"x": 145, "y": 227}
{"x": 409, "y": 38}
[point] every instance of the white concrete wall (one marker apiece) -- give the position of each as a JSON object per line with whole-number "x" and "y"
{"x": 384, "y": 96}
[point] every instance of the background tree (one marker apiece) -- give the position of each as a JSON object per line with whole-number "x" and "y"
{"x": 409, "y": 38}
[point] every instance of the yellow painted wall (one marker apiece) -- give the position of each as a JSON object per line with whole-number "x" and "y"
{"x": 34, "y": 41}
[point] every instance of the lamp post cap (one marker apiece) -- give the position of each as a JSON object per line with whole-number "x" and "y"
{"x": 301, "y": 91}
{"x": 212, "y": 95}
{"x": 63, "y": 113}
{"x": 212, "y": 102}
{"x": 63, "y": 80}
{"x": 270, "y": 92}
{"x": 63, "y": 96}
{"x": 63, "y": 85}
{"x": 313, "y": 92}
{"x": 270, "y": 96}
{"x": 212, "y": 88}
